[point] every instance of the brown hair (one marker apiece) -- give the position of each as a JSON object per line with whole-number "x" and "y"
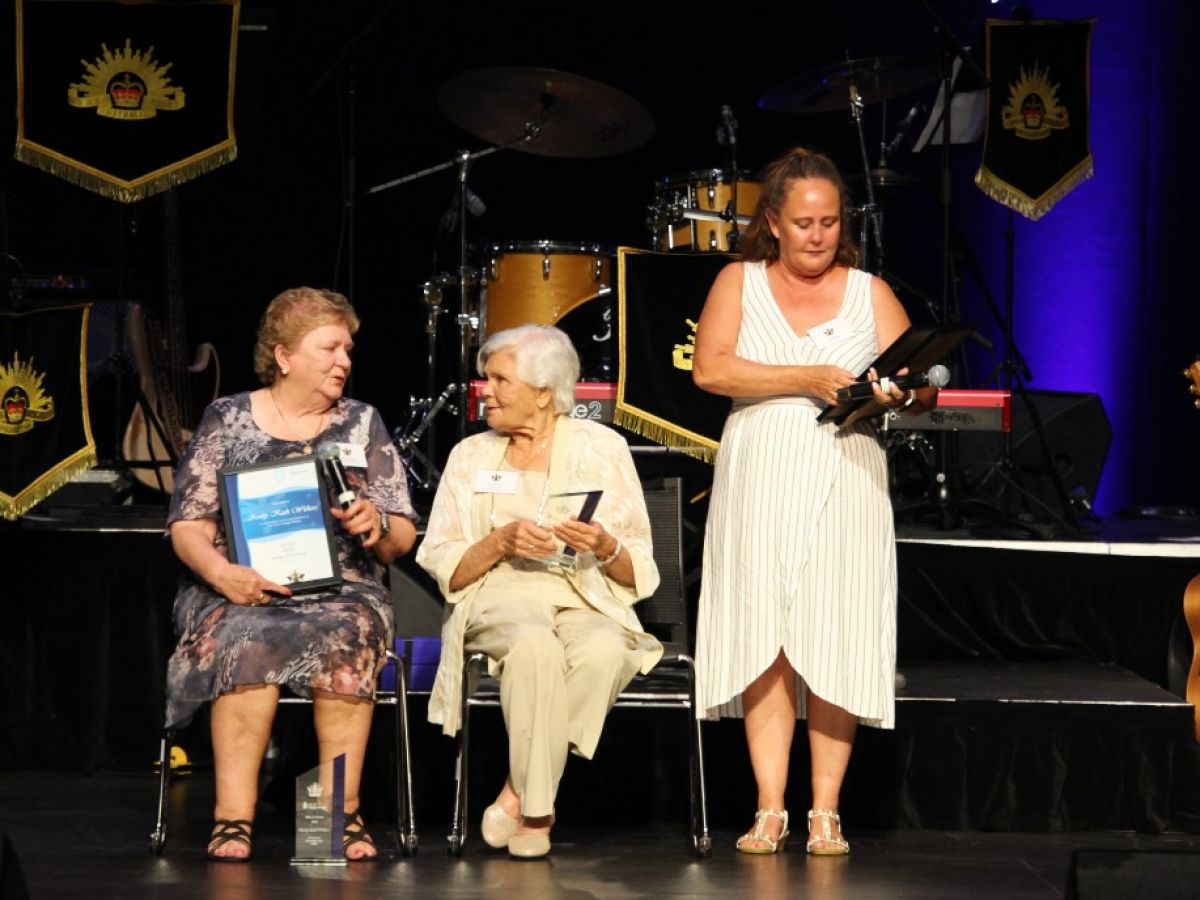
{"x": 758, "y": 243}
{"x": 292, "y": 315}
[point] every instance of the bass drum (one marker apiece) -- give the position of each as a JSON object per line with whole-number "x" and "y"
{"x": 691, "y": 212}
{"x": 555, "y": 283}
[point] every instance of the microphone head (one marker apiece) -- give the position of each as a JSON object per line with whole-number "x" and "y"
{"x": 939, "y": 376}
{"x": 328, "y": 450}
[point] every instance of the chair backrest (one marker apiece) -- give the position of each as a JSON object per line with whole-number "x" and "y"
{"x": 664, "y": 613}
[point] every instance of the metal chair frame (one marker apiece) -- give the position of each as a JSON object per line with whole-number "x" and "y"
{"x": 671, "y": 685}
{"x": 406, "y": 829}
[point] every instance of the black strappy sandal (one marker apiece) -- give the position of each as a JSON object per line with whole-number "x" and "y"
{"x": 237, "y": 830}
{"x": 355, "y": 832}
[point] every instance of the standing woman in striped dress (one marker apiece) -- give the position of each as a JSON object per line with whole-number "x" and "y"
{"x": 798, "y": 598}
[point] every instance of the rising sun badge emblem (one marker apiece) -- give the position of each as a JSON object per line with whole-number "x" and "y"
{"x": 128, "y": 84}
{"x": 1033, "y": 110}
{"x": 22, "y": 396}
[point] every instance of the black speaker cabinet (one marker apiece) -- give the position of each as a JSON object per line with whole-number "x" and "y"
{"x": 1125, "y": 874}
{"x": 1077, "y": 435}
{"x": 12, "y": 880}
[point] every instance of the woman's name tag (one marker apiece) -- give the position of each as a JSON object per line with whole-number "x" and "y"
{"x": 828, "y": 333}
{"x": 493, "y": 482}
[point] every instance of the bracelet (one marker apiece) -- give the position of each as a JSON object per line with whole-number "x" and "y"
{"x": 616, "y": 552}
{"x": 385, "y": 526}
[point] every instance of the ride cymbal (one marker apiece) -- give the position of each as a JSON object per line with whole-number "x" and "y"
{"x": 828, "y": 88}
{"x": 568, "y": 115}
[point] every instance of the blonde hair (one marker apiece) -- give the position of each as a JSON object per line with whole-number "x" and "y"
{"x": 292, "y": 315}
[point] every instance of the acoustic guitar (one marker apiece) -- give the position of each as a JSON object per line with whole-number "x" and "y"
{"x": 175, "y": 390}
{"x": 1191, "y": 594}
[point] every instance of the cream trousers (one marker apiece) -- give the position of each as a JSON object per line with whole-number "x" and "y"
{"x": 560, "y": 670}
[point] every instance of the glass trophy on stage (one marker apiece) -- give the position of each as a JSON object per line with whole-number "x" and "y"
{"x": 321, "y": 815}
{"x": 560, "y": 507}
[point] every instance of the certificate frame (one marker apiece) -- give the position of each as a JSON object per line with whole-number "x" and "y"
{"x": 277, "y": 522}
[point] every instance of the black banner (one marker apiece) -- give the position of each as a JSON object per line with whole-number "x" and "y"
{"x": 660, "y": 298}
{"x": 1036, "y": 146}
{"x": 45, "y": 432}
{"x": 126, "y": 98}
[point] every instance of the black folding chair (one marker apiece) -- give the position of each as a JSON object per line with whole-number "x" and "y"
{"x": 671, "y": 684}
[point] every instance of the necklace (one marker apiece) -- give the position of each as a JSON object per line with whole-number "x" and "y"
{"x": 291, "y": 428}
{"x": 529, "y": 455}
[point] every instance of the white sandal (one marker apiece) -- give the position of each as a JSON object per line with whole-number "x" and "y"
{"x": 825, "y": 834}
{"x": 759, "y": 833}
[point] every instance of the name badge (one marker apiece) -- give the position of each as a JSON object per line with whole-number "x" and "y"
{"x": 489, "y": 482}
{"x": 353, "y": 455}
{"x": 828, "y": 333}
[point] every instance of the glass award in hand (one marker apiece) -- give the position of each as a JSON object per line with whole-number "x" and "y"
{"x": 580, "y": 505}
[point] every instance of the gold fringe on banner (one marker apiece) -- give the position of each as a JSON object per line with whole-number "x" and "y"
{"x": 1033, "y": 208}
{"x": 113, "y": 188}
{"x": 47, "y": 484}
{"x": 661, "y": 432}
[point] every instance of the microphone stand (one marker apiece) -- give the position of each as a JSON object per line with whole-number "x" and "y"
{"x": 727, "y": 134}
{"x": 468, "y": 315}
{"x": 872, "y": 215}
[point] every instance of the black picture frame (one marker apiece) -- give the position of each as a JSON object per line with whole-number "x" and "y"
{"x": 916, "y": 349}
{"x": 277, "y": 522}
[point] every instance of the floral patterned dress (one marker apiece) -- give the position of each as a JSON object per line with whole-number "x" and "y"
{"x": 332, "y": 640}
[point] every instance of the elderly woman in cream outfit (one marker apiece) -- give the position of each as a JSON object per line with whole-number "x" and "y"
{"x": 563, "y": 641}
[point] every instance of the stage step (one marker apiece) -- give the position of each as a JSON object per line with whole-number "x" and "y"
{"x": 1043, "y": 746}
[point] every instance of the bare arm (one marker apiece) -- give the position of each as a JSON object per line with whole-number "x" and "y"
{"x": 521, "y": 538}
{"x": 363, "y": 517}
{"x": 192, "y": 540}
{"x": 891, "y": 321}
{"x": 718, "y": 369}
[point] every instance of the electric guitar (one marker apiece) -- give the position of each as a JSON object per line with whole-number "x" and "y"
{"x": 170, "y": 384}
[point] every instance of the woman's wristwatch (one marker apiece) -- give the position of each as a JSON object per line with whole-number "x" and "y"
{"x": 385, "y": 527}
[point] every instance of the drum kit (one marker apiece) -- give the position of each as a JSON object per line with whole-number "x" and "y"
{"x": 552, "y": 113}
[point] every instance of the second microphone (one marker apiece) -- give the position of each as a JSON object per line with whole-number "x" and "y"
{"x": 936, "y": 376}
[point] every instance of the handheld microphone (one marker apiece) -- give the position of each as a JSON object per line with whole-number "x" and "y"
{"x": 937, "y": 376}
{"x": 335, "y": 472}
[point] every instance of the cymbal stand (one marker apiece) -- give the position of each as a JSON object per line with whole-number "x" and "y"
{"x": 727, "y": 136}
{"x": 468, "y": 316}
{"x": 872, "y": 215}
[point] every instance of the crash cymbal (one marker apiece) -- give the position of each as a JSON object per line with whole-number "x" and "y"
{"x": 572, "y": 116}
{"x": 877, "y": 78}
{"x": 889, "y": 178}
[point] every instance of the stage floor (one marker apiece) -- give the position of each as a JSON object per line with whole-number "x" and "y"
{"x": 79, "y": 836}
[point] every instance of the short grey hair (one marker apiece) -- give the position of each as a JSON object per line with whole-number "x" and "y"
{"x": 544, "y": 356}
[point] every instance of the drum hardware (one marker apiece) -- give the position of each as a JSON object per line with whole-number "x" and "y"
{"x": 421, "y": 413}
{"x": 727, "y": 136}
{"x": 876, "y": 78}
{"x": 683, "y": 203}
{"x": 871, "y": 221}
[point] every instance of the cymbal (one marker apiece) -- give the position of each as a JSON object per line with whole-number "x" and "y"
{"x": 572, "y": 116}
{"x": 877, "y": 78}
{"x": 889, "y": 178}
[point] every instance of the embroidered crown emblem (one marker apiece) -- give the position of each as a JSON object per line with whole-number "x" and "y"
{"x": 128, "y": 84}
{"x": 22, "y": 397}
{"x": 1033, "y": 110}
{"x": 681, "y": 356}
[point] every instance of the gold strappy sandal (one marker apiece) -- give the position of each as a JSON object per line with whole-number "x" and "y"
{"x": 759, "y": 833}
{"x": 825, "y": 834}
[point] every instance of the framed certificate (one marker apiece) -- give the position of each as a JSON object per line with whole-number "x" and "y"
{"x": 277, "y": 522}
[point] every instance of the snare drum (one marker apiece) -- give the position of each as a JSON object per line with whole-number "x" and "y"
{"x": 687, "y": 211}
{"x": 555, "y": 283}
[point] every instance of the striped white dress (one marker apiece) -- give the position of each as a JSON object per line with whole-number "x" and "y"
{"x": 799, "y": 552}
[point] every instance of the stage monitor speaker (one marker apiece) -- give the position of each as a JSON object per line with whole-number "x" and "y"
{"x": 12, "y": 879}
{"x": 1077, "y": 435}
{"x": 1122, "y": 874}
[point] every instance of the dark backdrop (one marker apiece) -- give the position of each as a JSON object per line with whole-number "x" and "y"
{"x": 324, "y": 79}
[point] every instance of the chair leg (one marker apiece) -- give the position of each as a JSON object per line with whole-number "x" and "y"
{"x": 406, "y": 826}
{"x": 458, "y": 828}
{"x": 158, "y": 837}
{"x": 701, "y": 840}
